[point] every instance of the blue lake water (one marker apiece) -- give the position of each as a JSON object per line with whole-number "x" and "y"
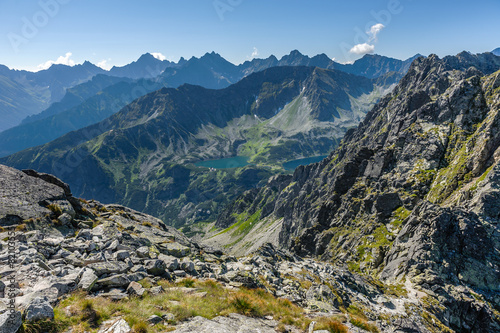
{"x": 225, "y": 163}
{"x": 292, "y": 165}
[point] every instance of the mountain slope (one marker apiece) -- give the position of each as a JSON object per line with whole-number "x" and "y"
{"x": 17, "y": 101}
{"x": 75, "y": 96}
{"x": 141, "y": 155}
{"x": 92, "y": 110}
{"x": 496, "y": 51}
{"x": 34, "y": 92}
{"x": 411, "y": 196}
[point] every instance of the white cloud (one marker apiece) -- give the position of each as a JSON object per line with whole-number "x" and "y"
{"x": 374, "y": 31}
{"x": 369, "y": 46}
{"x": 255, "y": 52}
{"x": 158, "y": 56}
{"x": 364, "y": 48}
{"x": 62, "y": 60}
{"x": 104, "y": 64}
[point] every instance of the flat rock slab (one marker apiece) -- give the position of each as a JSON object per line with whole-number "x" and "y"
{"x": 21, "y": 195}
{"x": 234, "y": 323}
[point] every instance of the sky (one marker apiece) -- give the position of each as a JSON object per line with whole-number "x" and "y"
{"x": 37, "y": 33}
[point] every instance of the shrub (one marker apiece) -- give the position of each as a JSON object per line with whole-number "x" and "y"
{"x": 55, "y": 208}
{"x": 140, "y": 327}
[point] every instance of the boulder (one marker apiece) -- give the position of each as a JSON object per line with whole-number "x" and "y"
{"x": 10, "y": 321}
{"x": 135, "y": 289}
{"x": 171, "y": 262}
{"x": 119, "y": 280}
{"x": 65, "y": 219}
{"x": 87, "y": 280}
{"x": 321, "y": 298}
{"x": 245, "y": 278}
{"x": 155, "y": 267}
{"x": 156, "y": 290}
{"x": 168, "y": 317}
{"x": 232, "y": 323}
{"x": 122, "y": 255}
{"x": 101, "y": 268}
{"x": 142, "y": 252}
{"x": 176, "y": 249}
{"x": 39, "y": 309}
{"x": 154, "y": 319}
{"x": 187, "y": 266}
{"x": 119, "y": 326}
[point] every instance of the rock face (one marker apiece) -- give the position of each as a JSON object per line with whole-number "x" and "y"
{"x": 24, "y": 197}
{"x": 411, "y": 195}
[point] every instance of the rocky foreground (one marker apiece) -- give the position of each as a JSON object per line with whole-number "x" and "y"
{"x": 65, "y": 245}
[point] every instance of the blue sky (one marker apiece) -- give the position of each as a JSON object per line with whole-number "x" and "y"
{"x": 116, "y": 32}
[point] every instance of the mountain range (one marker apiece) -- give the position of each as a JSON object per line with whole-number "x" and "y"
{"x": 142, "y": 155}
{"x": 209, "y": 71}
{"x": 24, "y": 93}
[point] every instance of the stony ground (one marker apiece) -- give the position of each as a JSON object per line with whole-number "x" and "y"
{"x": 65, "y": 245}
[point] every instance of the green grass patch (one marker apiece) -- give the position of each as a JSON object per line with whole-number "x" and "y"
{"x": 83, "y": 314}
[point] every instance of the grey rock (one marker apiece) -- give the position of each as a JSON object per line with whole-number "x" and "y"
{"x": 137, "y": 276}
{"x": 180, "y": 273}
{"x": 176, "y": 249}
{"x": 65, "y": 219}
{"x": 113, "y": 245}
{"x": 109, "y": 267}
{"x": 321, "y": 298}
{"x": 119, "y": 326}
{"x": 39, "y": 309}
{"x": 245, "y": 278}
{"x": 154, "y": 319}
{"x": 187, "y": 266}
{"x": 168, "y": 317}
{"x": 10, "y": 322}
{"x": 230, "y": 324}
{"x": 171, "y": 262}
{"x": 156, "y": 290}
{"x": 87, "y": 280}
{"x": 138, "y": 268}
{"x": 122, "y": 255}
{"x": 21, "y": 195}
{"x": 155, "y": 267}
{"x": 119, "y": 280}
{"x": 143, "y": 252}
{"x": 135, "y": 289}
